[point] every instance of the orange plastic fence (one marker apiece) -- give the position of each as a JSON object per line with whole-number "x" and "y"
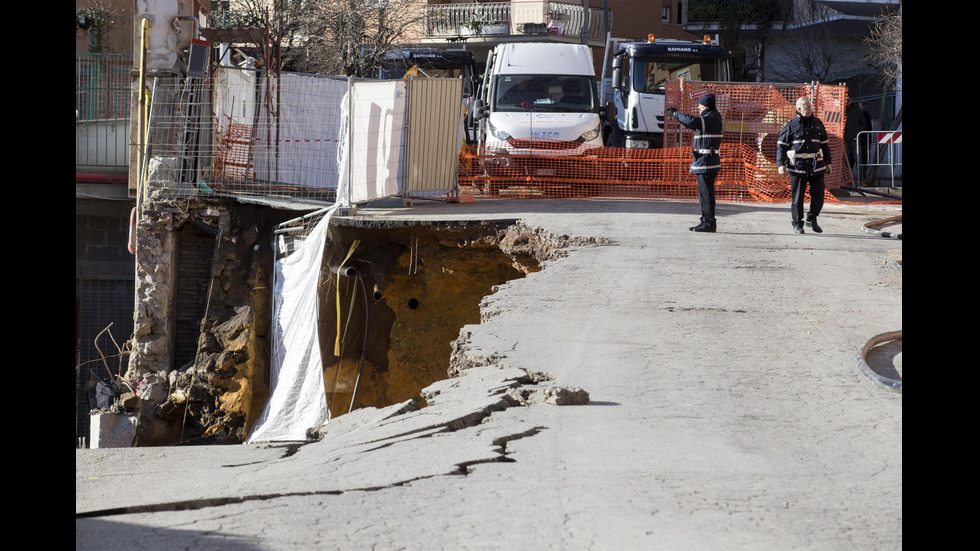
{"x": 232, "y": 153}
{"x": 753, "y": 115}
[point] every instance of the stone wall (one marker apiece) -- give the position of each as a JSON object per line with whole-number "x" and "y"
{"x": 203, "y": 284}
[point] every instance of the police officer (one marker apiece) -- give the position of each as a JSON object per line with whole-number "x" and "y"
{"x": 803, "y": 150}
{"x": 707, "y": 125}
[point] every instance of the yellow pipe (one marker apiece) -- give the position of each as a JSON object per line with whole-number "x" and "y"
{"x": 144, "y": 113}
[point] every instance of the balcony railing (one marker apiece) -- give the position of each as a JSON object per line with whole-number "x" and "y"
{"x": 103, "y": 69}
{"x": 513, "y": 18}
{"x": 102, "y": 90}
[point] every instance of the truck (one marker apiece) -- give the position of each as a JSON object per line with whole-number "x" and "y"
{"x": 637, "y": 72}
{"x": 537, "y": 99}
{"x": 436, "y": 63}
{"x": 432, "y": 63}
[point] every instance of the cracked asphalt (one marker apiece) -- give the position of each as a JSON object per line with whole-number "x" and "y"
{"x": 727, "y": 408}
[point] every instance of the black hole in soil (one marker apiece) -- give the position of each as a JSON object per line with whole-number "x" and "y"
{"x": 377, "y": 295}
{"x": 413, "y": 303}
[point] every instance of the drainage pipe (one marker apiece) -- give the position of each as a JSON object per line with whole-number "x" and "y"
{"x": 346, "y": 271}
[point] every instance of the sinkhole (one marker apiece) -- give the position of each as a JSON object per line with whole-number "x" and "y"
{"x": 391, "y": 306}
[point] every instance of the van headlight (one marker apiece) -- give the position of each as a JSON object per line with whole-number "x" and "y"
{"x": 591, "y": 134}
{"x": 497, "y": 133}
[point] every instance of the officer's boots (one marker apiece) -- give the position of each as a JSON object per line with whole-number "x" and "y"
{"x": 704, "y": 226}
{"x": 811, "y": 222}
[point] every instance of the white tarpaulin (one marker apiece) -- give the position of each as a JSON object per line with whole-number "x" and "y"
{"x": 377, "y": 120}
{"x": 297, "y": 399}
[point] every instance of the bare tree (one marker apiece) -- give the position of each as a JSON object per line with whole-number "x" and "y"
{"x": 885, "y": 51}
{"x": 332, "y": 36}
{"x": 363, "y": 31}
{"x": 297, "y": 26}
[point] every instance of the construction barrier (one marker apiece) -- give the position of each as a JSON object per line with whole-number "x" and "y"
{"x": 305, "y": 136}
{"x": 290, "y": 137}
{"x": 753, "y": 115}
{"x": 879, "y": 153}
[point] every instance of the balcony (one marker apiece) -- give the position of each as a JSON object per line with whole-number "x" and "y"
{"x": 103, "y": 67}
{"x": 489, "y": 20}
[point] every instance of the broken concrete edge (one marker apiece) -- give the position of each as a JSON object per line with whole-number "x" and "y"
{"x": 500, "y": 387}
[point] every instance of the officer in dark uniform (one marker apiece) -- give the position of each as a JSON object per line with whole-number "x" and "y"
{"x": 803, "y": 150}
{"x": 706, "y": 151}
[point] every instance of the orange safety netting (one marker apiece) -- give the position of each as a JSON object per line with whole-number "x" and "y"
{"x": 753, "y": 115}
{"x": 233, "y": 146}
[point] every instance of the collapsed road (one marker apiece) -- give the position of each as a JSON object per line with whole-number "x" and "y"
{"x": 652, "y": 389}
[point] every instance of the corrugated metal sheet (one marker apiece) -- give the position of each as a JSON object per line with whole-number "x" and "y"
{"x": 435, "y": 116}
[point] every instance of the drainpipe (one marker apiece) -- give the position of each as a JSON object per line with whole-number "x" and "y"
{"x": 193, "y": 20}
{"x": 141, "y": 123}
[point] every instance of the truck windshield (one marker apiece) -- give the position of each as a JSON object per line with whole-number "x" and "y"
{"x": 650, "y": 75}
{"x": 545, "y": 93}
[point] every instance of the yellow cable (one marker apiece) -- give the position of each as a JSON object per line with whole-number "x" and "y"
{"x": 336, "y": 346}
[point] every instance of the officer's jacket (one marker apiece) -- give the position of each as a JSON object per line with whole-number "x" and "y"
{"x": 708, "y": 129}
{"x": 803, "y": 147}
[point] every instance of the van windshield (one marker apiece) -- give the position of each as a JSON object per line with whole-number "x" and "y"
{"x": 545, "y": 93}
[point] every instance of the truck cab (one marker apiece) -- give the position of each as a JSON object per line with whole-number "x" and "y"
{"x": 638, "y": 77}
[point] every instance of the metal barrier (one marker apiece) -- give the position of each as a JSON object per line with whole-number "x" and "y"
{"x": 877, "y": 152}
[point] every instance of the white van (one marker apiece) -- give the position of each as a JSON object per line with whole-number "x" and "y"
{"x": 537, "y": 92}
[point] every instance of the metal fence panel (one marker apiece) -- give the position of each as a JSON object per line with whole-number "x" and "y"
{"x": 880, "y": 153}
{"x": 435, "y": 117}
{"x": 374, "y": 145}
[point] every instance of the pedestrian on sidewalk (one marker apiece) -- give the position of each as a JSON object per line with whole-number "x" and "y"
{"x": 803, "y": 150}
{"x": 708, "y": 128}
